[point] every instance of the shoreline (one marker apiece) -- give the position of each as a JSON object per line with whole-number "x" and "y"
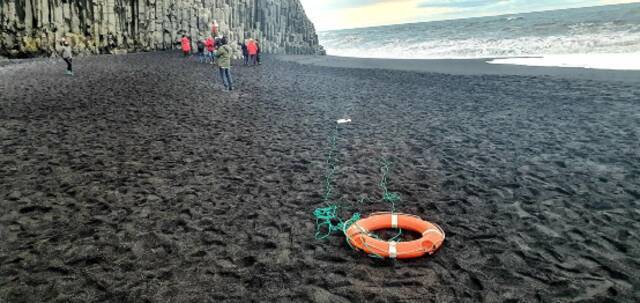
{"x": 462, "y": 67}
{"x": 467, "y": 67}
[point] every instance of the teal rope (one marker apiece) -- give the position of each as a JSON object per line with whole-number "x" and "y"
{"x": 388, "y": 196}
{"x": 331, "y": 167}
{"x": 327, "y": 217}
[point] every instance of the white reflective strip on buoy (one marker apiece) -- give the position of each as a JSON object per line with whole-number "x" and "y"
{"x": 431, "y": 230}
{"x": 393, "y": 252}
{"x": 394, "y": 221}
{"x": 362, "y": 229}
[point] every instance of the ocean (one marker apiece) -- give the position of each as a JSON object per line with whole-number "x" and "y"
{"x": 604, "y": 37}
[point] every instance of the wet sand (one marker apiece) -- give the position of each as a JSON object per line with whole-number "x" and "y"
{"x": 140, "y": 180}
{"x": 469, "y": 67}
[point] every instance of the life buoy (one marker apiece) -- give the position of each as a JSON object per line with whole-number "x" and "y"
{"x": 359, "y": 236}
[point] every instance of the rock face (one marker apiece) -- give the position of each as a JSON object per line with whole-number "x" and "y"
{"x": 32, "y": 27}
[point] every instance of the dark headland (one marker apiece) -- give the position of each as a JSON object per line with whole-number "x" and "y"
{"x": 140, "y": 180}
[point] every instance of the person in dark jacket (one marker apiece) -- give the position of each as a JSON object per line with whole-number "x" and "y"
{"x": 201, "y": 53}
{"x": 67, "y": 55}
{"x": 258, "y": 52}
{"x": 245, "y": 53}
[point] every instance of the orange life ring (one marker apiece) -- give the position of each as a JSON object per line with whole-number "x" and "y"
{"x": 359, "y": 235}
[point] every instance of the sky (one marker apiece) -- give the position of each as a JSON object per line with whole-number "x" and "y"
{"x": 340, "y": 14}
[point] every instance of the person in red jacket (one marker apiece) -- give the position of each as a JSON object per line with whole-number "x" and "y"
{"x": 186, "y": 45}
{"x": 252, "y": 49}
{"x": 211, "y": 47}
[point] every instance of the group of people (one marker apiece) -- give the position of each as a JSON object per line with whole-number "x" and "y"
{"x": 211, "y": 50}
{"x": 218, "y": 51}
{"x": 250, "y": 51}
{"x": 206, "y": 48}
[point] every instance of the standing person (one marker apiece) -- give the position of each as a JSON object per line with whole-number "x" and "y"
{"x": 200, "y": 45}
{"x": 186, "y": 45}
{"x": 216, "y": 46}
{"x": 211, "y": 47}
{"x": 223, "y": 55}
{"x": 67, "y": 55}
{"x": 111, "y": 43}
{"x": 214, "y": 28}
{"x": 258, "y": 52}
{"x": 245, "y": 52}
{"x": 253, "y": 51}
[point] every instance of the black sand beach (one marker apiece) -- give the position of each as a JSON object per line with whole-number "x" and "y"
{"x": 140, "y": 180}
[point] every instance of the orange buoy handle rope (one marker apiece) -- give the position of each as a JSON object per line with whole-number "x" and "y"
{"x": 359, "y": 236}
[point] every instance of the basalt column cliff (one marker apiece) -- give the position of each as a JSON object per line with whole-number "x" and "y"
{"x": 32, "y": 27}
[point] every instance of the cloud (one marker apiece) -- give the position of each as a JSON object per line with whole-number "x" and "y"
{"x": 618, "y": 1}
{"x": 337, "y": 14}
{"x": 459, "y": 3}
{"x": 342, "y": 4}
{"x": 334, "y": 14}
{"x": 380, "y": 13}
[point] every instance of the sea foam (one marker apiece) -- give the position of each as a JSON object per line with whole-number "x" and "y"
{"x": 606, "y": 37}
